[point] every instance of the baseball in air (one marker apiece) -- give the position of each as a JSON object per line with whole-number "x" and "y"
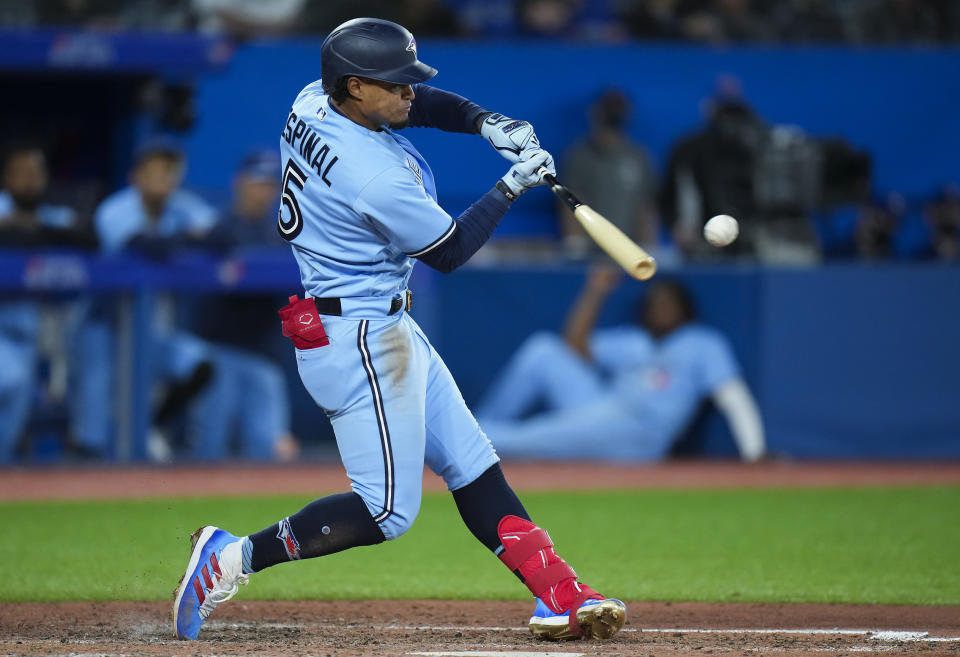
{"x": 721, "y": 230}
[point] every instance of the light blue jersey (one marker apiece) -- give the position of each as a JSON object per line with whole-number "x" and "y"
{"x": 664, "y": 381}
{"x": 121, "y": 217}
{"x": 357, "y": 204}
{"x": 630, "y": 403}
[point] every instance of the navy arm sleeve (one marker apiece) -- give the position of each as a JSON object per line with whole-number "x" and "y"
{"x": 473, "y": 229}
{"x": 436, "y": 108}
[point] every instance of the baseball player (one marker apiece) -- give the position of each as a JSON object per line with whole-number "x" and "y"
{"x": 247, "y": 395}
{"x": 153, "y": 216}
{"x": 638, "y": 386}
{"x": 359, "y": 207}
{"x": 26, "y": 221}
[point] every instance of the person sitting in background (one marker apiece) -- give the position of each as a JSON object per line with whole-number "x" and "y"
{"x": 248, "y": 392}
{"x": 27, "y": 221}
{"x": 625, "y": 393}
{"x": 152, "y": 217}
{"x": 613, "y": 174}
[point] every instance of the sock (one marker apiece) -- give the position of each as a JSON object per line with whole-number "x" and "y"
{"x": 483, "y": 502}
{"x": 247, "y": 547}
{"x": 325, "y": 526}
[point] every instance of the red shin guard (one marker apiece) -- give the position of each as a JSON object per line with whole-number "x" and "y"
{"x": 528, "y": 551}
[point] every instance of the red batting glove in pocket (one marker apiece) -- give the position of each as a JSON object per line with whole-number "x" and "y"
{"x": 301, "y": 323}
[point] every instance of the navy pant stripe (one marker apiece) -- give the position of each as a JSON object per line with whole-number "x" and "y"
{"x": 381, "y": 422}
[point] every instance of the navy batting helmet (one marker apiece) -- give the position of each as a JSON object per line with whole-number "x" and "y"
{"x": 372, "y": 48}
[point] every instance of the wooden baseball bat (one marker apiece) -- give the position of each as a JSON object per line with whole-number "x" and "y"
{"x": 627, "y": 253}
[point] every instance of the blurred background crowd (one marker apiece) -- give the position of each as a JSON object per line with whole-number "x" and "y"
{"x": 106, "y": 173}
{"x": 798, "y": 197}
{"x": 609, "y": 21}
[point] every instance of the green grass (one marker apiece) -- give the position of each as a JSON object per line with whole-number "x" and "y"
{"x": 847, "y": 545}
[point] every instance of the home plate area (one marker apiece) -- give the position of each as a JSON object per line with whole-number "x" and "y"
{"x": 350, "y": 628}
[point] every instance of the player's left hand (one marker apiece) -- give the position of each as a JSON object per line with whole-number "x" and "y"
{"x": 529, "y": 172}
{"x": 513, "y": 139}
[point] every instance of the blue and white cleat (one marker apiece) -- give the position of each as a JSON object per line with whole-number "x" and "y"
{"x": 597, "y": 619}
{"x": 213, "y": 575}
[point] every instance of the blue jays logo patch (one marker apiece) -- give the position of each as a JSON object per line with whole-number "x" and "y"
{"x": 412, "y": 46}
{"x": 290, "y": 542}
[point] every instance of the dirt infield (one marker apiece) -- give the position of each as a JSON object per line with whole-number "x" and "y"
{"x": 237, "y": 479}
{"x": 478, "y": 629}
{"x": 468, "y": 628}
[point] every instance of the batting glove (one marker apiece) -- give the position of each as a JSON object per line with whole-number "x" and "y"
{"x": 526, "y": 174}
{"x": 513, "y": 139}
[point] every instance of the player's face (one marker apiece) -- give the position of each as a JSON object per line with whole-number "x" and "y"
{"x": 157, "y": 178}
{"x": 664, "y": 312}
{"x": 26, "y": 178}
{"x": 385, "y": 103}
{"x": 255, "y": 198}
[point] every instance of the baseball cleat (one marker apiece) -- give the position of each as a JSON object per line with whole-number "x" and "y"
{"x": 213, "y": 575}
{"x": 597, "y": 619}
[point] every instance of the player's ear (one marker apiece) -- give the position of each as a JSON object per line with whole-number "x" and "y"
{"x": 355, "y": 88}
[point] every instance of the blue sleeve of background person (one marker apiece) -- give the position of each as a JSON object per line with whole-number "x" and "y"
{"x": 399, "y": 208}
{"x": 57, "y": 216}
{"x": 474, "y": 228}
{"x": 117, "y": 220}
{"x": 718, "y": 364}
{"x": 436, "y": 108}
{"x": 196, "y": 215}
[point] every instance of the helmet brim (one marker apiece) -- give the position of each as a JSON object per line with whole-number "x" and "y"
{"x": 412, "y": 73}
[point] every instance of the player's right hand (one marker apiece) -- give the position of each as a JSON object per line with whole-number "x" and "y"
{"x": 524, "y": 175}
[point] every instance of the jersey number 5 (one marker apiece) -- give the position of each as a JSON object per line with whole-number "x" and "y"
{"x": 293, "y": 176}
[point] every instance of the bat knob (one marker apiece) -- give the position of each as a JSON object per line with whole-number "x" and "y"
{"x": 644, "y": 269}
